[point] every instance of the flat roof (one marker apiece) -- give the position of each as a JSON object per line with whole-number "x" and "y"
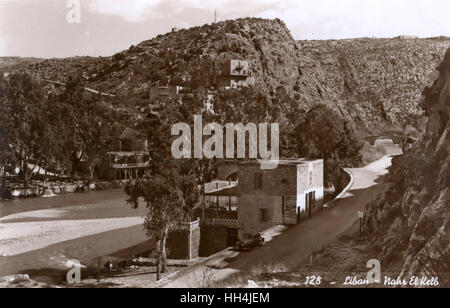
{"x": 282, "y": 161}
{"x": 128, "y": 153}
{"x": 225, "y": 191}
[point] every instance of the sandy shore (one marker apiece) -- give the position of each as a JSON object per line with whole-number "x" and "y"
{"x": 21, "y": 237}
{"x": 40, "y": 236}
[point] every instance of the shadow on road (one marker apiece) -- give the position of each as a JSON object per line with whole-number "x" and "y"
{"x": 298, "y": 242}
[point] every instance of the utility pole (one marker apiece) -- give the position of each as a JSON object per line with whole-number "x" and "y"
{"x": 215, "y": 15}
{"x": 360, "y": 216}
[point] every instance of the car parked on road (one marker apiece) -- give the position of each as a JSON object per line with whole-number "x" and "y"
{"x": 250, "y": 242}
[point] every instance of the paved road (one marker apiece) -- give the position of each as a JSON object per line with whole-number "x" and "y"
{"x": 296, "y": 243}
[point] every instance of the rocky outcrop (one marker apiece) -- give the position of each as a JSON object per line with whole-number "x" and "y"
{"x": 375, "y": 83}
{"x": 411, "y": 223}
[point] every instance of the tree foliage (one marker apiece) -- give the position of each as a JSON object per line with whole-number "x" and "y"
{"x": 24, "y": 121}
{"x": 53, "y": 131}
{"x": 322, "y": 133}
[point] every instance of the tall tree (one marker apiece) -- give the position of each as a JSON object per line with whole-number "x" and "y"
{"x": 86, "y": 126}
{"x": 322, "y": 133}
{"x": 164, "y": 201}
{"x": 97, "y": 135}
{"x": 23, "y": 118}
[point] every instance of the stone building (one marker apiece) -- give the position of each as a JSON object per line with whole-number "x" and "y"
{"x": 132, "y": 140}
{"x": 234, "y": 73}
{"x": 164, "y": 93}
{"x": 251, "y": 200}
{"x": 281, "y": 196}
{"x": 260, "y": 199}
{"x": 132, "y": 159}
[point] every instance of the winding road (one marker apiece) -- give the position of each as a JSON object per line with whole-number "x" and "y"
{"x": 291, "y": 246}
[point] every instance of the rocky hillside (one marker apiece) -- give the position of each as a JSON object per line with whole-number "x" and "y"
{"x": 8, "y": 64}
{"x": 375, "y": 83}
{"x": 411, "y": 224}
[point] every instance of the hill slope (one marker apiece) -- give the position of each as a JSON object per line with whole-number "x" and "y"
{"x": 375, "y": 83}
{"x": 8, "y": 64}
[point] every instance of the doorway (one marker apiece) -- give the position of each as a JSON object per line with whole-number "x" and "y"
{"x": 310, "y": 200}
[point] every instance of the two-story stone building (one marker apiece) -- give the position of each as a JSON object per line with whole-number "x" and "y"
{"x": 252, "y": 200}
{"x": 281, "y": 196}
{"x": 234, "y": 73}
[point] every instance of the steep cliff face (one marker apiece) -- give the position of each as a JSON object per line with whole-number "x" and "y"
{"x": 375, "y": 83}
{"x": 411, "y": 223}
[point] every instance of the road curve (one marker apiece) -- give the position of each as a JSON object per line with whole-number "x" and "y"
{"x": 296, "y": 243}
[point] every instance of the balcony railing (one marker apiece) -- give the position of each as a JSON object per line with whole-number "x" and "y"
{"x": 221, "y": 222}
{"x": 188, "y": 226}
{"x": 128, "y": 166}
{"x": 220, "y": 214}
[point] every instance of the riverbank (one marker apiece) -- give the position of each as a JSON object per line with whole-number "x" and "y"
{"x": 52, "y": 188}
{"x": 46, "y": 233}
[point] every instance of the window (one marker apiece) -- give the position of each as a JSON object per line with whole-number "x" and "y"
{"x": 263, "y": 215}
{"x": 257, "y": 181}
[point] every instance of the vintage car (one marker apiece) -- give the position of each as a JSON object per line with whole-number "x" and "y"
{"x": 250, "y": 242}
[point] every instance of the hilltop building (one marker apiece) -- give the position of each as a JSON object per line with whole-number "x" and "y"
{"x": 234, "y": 73}
{"x": 164, "y": 93}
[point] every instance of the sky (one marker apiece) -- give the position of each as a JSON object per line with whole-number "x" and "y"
{"x": 41, "y": 28}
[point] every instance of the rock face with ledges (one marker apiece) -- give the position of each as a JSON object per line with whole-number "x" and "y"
{"x": 411, "y": 223}
{"x": 374, "y": 81}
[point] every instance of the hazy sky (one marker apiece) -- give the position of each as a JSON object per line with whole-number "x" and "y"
{"x": 40, "y": 28}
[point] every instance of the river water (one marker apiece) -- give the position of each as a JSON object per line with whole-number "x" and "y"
{"x": 41, "y": 236}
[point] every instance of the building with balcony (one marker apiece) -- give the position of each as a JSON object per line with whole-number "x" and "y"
{"x": 261, "y": 198}
{"x": 234, "y": 73}
{"x": 249, "y": 201}
{"x": 132, "y": 159}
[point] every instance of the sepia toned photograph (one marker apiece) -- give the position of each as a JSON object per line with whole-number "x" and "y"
{"x": 225, "y": 149}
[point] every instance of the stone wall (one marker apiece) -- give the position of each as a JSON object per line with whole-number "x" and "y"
{"x": 214, "y": 239}
{"x": 184, "y": 241}
{"x": 280, "y": 181}
{"x": 178, "y": 244}
{"x": 290, "y": 210}
{"x": 195, "y": 243}
{"x": 249, "y": 216}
